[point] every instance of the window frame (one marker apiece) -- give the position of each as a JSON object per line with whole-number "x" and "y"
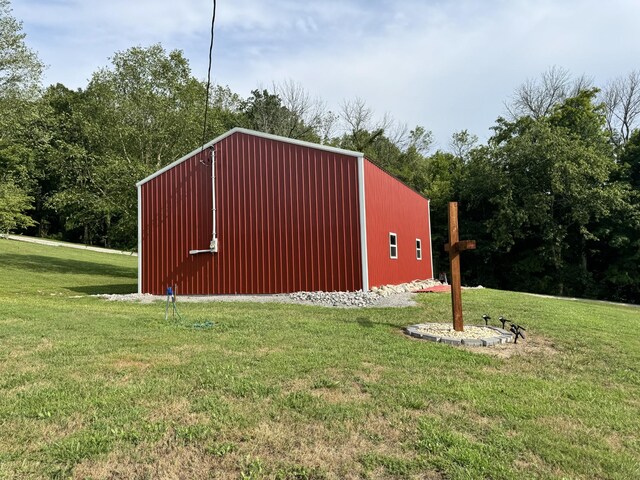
{"x": 418, "y": 249}
{"x": 393, "y": 245}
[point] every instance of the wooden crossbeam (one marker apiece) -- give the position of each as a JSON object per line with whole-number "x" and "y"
{"x": 462, "y": 245}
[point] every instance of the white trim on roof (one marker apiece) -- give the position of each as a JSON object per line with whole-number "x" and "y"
{"x": 255, "y": 133}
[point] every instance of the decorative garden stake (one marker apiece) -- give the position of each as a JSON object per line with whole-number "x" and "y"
{"x": 454, "y": 247}
{"x": 517, "y": 332}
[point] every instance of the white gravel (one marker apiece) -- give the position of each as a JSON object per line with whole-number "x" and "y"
{"x": 447, "y": 331}
{"x": 385, "y": 296}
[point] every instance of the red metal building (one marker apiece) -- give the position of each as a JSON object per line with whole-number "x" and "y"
{"x": 257, "y": 213}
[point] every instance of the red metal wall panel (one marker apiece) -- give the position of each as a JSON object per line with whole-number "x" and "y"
{"x": 287, "y": 218}
{"x": 391, "y": 206}
{"x": 176, "y": 217}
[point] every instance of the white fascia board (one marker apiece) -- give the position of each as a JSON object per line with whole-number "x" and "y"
{"x": 292, "y": 141}
{"x": 430, "y": 240}
{"x": 139, "y": 239}
{"x": 254, "y": 133}
{"x": 363, "y": 225}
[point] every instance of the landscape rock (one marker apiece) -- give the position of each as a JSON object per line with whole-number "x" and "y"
{"x": 379, "y": 296}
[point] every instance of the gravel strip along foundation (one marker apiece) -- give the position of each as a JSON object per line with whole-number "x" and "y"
{"x": 472, "y": 336}
{"x": 385, "y": 296}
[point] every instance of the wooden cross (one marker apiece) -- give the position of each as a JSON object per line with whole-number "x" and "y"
{"x": 454, "y": 247}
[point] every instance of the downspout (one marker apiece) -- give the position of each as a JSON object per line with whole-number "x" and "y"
{"x": 213, "y": 245}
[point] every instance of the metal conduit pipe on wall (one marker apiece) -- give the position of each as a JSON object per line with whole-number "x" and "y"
{"x": 214, "y": 234}
{"x": 213, "y": 245}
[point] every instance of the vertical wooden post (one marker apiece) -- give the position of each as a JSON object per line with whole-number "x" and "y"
{"x": 454, "y": 259}
{"x": 454, "y": 247}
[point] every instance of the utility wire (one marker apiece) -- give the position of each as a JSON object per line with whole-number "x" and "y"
{"x": 206, "y": 105}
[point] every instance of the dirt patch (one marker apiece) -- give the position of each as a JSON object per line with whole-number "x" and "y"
{"x": 56, "y": 431}
{"x": 534, "y": 345}
{"x": 126, "y": 363}
{"x": 341, "y": 394}
{"x": 178, "y": 412}
{"x": 265, "y": 351}
{"x": 316, "y": 446}
{"x": 164, "y": 461}
{"x": 271, "y": 447}
{"x": 35, "y": 385}
{"x": 45, "y": 345}
{"x": 460, "y": 416}
{"x": 529, "y": 462}
{"x": 371, "y": 373}
{"x": 329, "y": 390}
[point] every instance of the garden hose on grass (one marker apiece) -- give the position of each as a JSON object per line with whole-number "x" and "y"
{"x": 171, "y": 299}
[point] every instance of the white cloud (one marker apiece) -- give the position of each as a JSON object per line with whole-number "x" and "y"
{"x": 445, "y": 65}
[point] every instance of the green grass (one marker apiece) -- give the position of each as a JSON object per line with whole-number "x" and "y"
{"x": 96, "y": 389}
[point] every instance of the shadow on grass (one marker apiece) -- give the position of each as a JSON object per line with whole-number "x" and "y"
{"x": 119, "y": 288}
{"x": 44, "y": 264}
{"x": 364, "y": 322}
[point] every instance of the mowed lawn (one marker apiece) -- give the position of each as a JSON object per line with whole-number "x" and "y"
{"x": 97, "y": 389}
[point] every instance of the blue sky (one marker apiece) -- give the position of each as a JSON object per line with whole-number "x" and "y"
{"x": 445, "y": 65}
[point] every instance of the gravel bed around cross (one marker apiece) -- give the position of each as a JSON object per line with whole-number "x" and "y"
{"x": 446, "y": 330}
{"x": 471, "y": 336}
{"x": 385, "y": 296}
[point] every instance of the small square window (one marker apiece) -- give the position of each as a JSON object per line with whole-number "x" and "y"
{"x": 418, "y": 249}
{"x": 393, "y": 245}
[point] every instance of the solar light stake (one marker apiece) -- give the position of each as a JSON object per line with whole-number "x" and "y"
{"x": 503, "y": 321}
{"x": 486, "y": 319}
{"x": 517, "y": 331}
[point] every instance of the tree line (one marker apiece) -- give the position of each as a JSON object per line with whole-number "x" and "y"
{"x": 552, "y": 197}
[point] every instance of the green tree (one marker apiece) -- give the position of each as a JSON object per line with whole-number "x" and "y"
{"x": 616, "y": 256}
{"x": 147, "y": 108}
{"x": 20, "y": 71}
{"x": 544, "y": 185}
{"x": 136, "y": 116}
{"x": 265, "y": 111}
{"x": 442, "y": 172}
{"x": 20, "y": 68}
{"x": 462, "y": 143}
{"x": 14, "y": 202}
{"x": 69, "y": 182}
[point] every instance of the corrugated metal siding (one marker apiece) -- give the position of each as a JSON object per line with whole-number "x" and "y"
{"x": 287, "y": 219}
{"x": 176, "y": 217}
{"x": 391, "y": 206}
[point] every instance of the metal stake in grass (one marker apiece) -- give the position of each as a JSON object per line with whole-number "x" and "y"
{"x": 171, "y": 298}
{"x": 486, "y": 319}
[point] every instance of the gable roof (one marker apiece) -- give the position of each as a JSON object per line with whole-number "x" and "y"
{"x": 254, "y": 133}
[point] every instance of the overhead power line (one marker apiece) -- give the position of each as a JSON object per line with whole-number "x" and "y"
{"x": 206, "y": 105}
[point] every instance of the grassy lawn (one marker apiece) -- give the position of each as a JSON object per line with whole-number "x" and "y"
{"x": 96, "y": 389}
